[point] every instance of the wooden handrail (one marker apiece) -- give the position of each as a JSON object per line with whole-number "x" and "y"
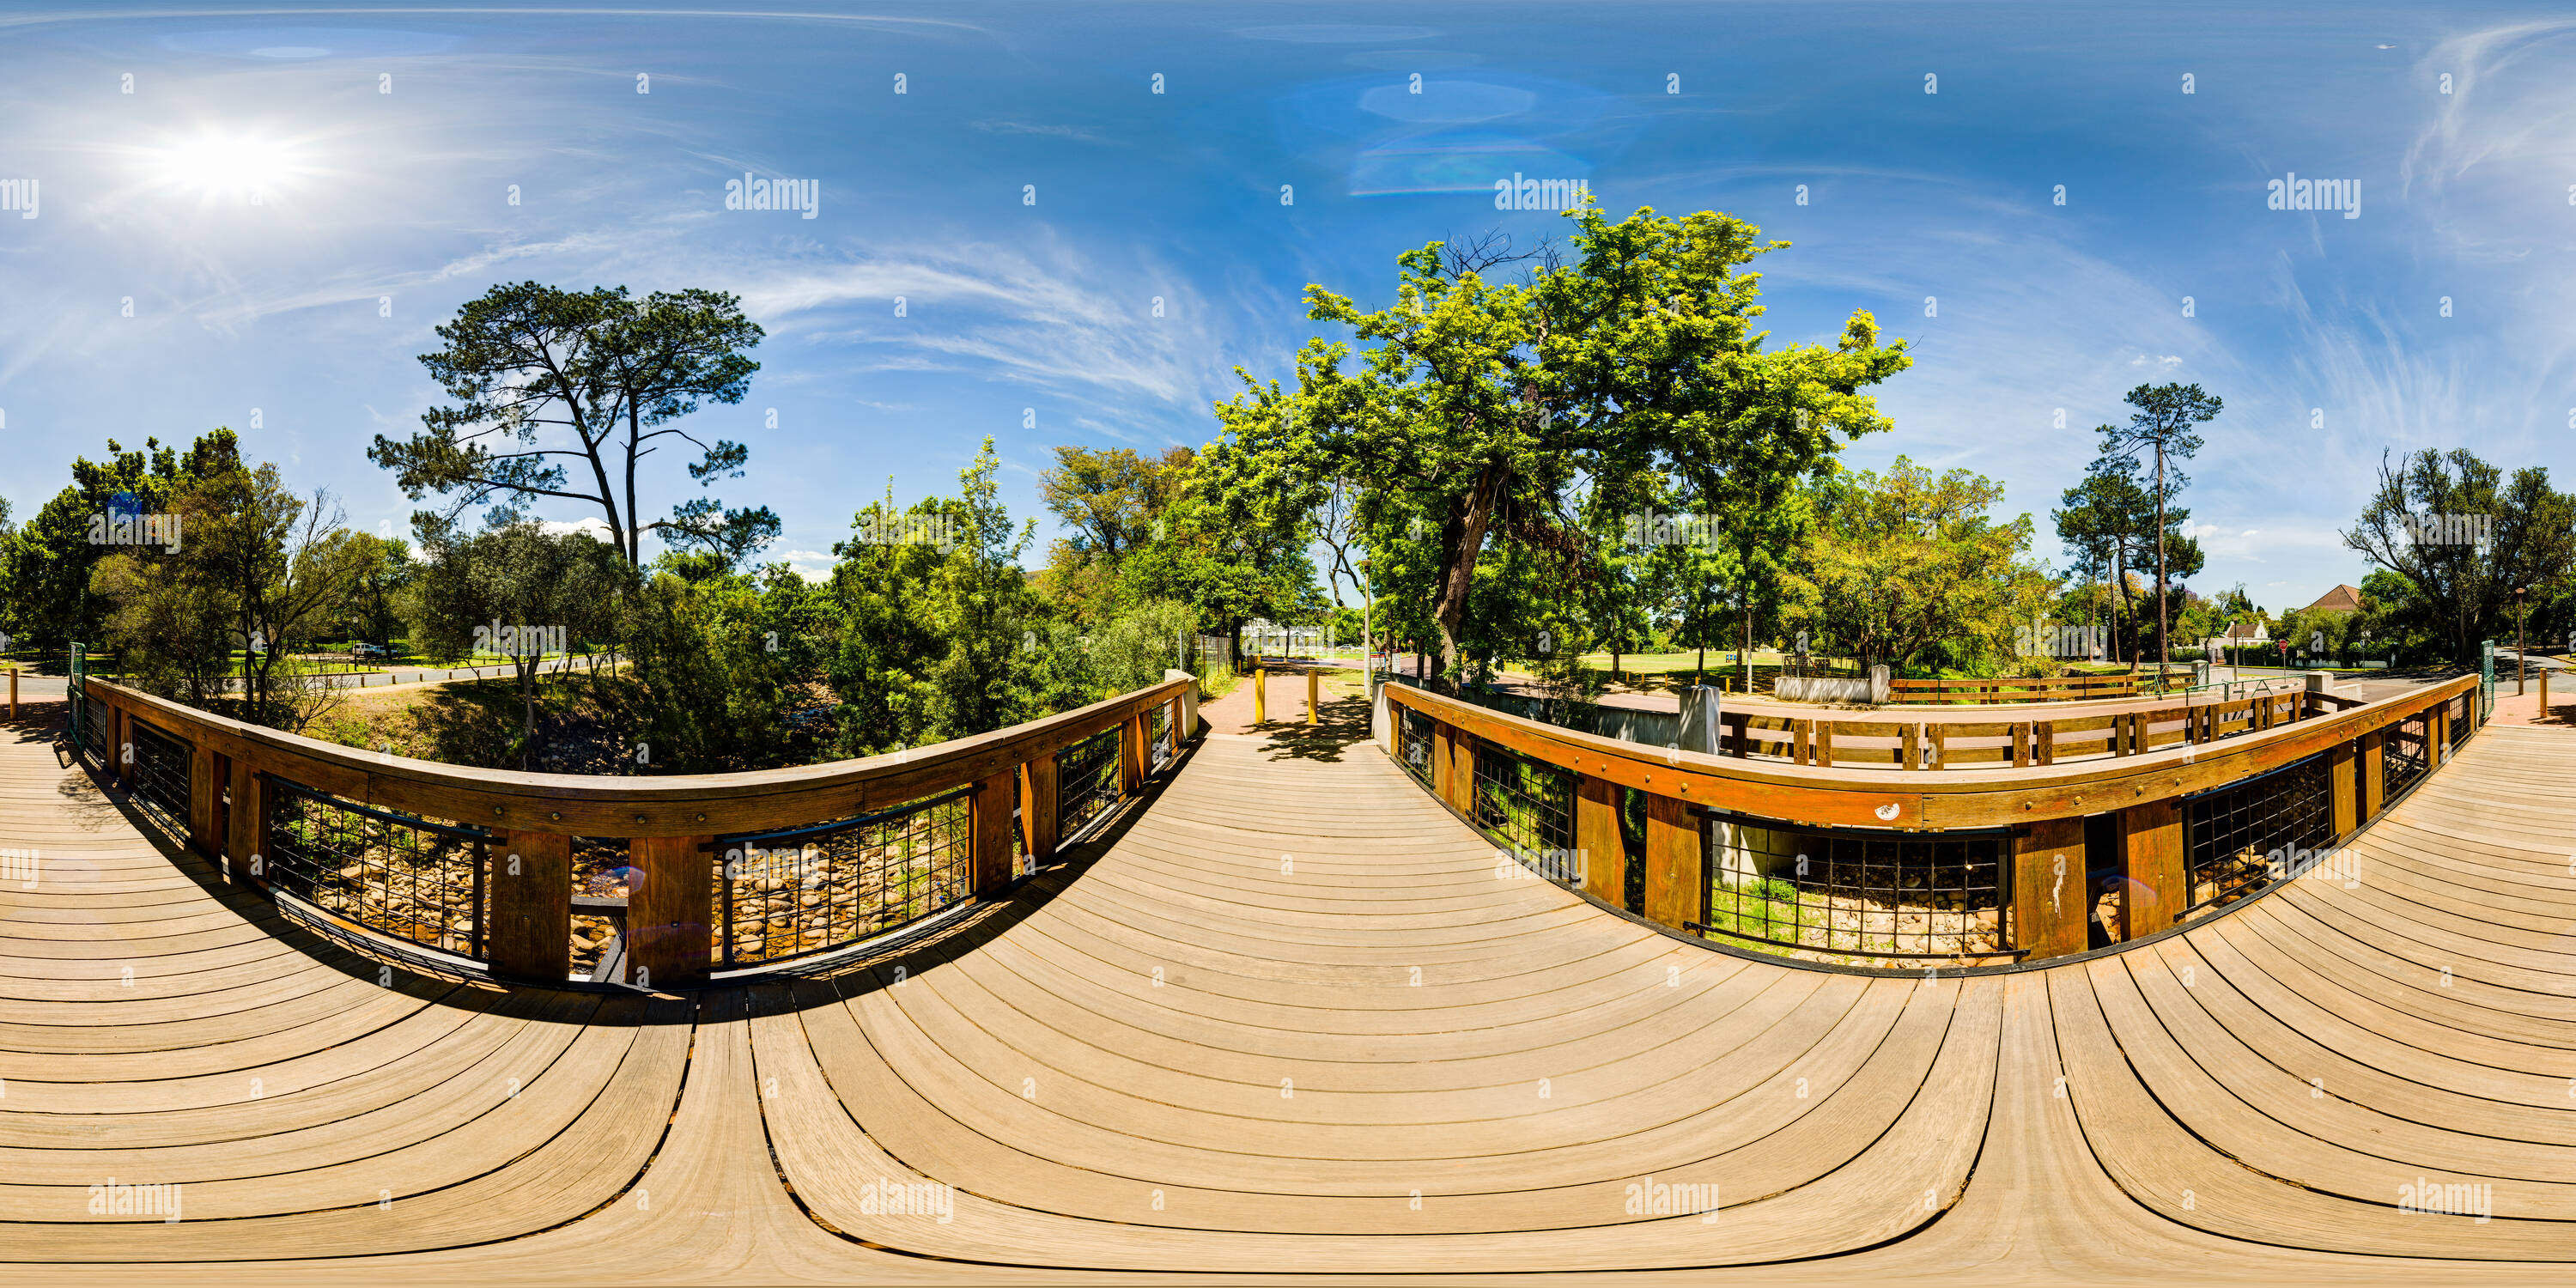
{"x": 670, "y": 823}
{"x": 594, "y": 805}
{"x": 2043, "y": 808}
{"x": 1936, "y": 799}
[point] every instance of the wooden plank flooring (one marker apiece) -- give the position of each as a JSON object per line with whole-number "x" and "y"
{"x": 1287, "y": 1015}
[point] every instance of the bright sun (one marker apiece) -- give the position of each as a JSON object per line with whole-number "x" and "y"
{"x": 227, "y": 165}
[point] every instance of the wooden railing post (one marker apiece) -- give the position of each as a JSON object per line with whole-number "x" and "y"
{"x": 1038, "y": 805}
{"x": 2158, "y": 887}
{"x": 203, "y": 791}
{"x": 13, "y": 693}
{"x": 670, "y": 918}
{"x": 1598, "y": 845}
{"x": 1458, "y": 787}
{"x": 247, "y": 821}
{"x": 2341, "y": 790}
{"x": 1676, "y": 874}
{"x": 531, "y": 897}
{"x": 2374, "y": 773}
{"x": 121, "y": 747}
{"x": 1132, "y": 751}
{"x": 2052, "y": 898}
{"x": 989, "y": 856}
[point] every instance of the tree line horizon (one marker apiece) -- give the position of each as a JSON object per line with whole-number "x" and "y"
{"x": 1469, "y": 460}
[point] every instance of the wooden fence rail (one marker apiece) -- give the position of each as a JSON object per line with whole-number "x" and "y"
{"x": 1955, "y": 744}
{"x": 2162, "y": 758}
{"x": 2044, "y": 689}
{"x": 531, "y": 823}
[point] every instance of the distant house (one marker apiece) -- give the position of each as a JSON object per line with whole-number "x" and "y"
{"x": 2341, "y": 599}
{"x": 2252, "y": 632}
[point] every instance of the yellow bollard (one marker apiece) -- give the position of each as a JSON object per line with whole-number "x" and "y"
{"x": 1315, "y": 677}
{"x": 1260, "y": 710}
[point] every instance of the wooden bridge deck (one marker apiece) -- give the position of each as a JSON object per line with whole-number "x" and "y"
{"x": 1287, "y": 1018}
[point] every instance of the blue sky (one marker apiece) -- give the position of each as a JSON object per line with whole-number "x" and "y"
{"x": 373, "y": 203}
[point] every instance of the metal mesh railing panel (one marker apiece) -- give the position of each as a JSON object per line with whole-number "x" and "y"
{"x": 1859, "y": 899}
{"x": 411, "y": 878}
{"x": 2232, "y": 836}
{"x": 817, "y": 889}
{"x": 161, "y": 776}
{"x": 1086, "y": 780}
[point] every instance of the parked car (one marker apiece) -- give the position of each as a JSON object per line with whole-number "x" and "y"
{"x": 371, "y": 653}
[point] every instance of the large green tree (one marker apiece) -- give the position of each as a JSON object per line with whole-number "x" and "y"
{"x": 2162, "y": 427}
{"x": 1475, "y": 403}
{"x": 2461, "y": 536}
{"x": 1909, "y": 569}
{"x": 487, "y": 591}
{"x": 547, "y": 378}
{"x": 46, "y": 563}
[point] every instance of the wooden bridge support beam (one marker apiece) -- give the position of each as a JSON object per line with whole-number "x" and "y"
{"x": 531, "y": 895}
{"x": 2052, "y": 900}
{"x": 2158, "y": 885}
{"x": 1598, "y": 844}
{"x": 670, "y": 919}
{"x": 1676, "y": 871}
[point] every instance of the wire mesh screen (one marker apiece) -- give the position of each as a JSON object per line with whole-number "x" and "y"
{"x": 1161, "y": 730}
{"x": 1857, "y": 899}
{"x": 2405, "y": 751}
{"x": 95, "y": 724}
{"x": 161, "y": 771}
{"x": 1525, "y": 805}
{"x": 1086, "y": 780}
{"x": 1413, "y": 743}
{"x": 816, "y": 889}
{"x": 412, "y": 878}
{"x": 2234, "y": 833}
{"x": 2461, "y": 725}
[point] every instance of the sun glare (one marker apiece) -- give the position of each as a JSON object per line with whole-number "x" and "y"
{"x": 227, "y": 165}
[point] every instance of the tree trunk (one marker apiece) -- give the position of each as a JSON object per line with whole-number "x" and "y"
{"x": 1462, "y": 537}
{"x": 2164, "y": 646}
{"x": 527, "y": 706}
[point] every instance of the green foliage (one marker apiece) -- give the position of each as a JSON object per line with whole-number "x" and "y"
{"x": 2457, "y": 594}
{"x": 1476, "y": 406}
{"x": 473, "y": 594}
{"x": 1908, "y": 569}
{"x": 611, "y": 370}
{"x": 728, "y": 668}
{"x": 1133, "y": 651}
{"x": 942, "y": 640}
{"x": 46, "y": 562}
